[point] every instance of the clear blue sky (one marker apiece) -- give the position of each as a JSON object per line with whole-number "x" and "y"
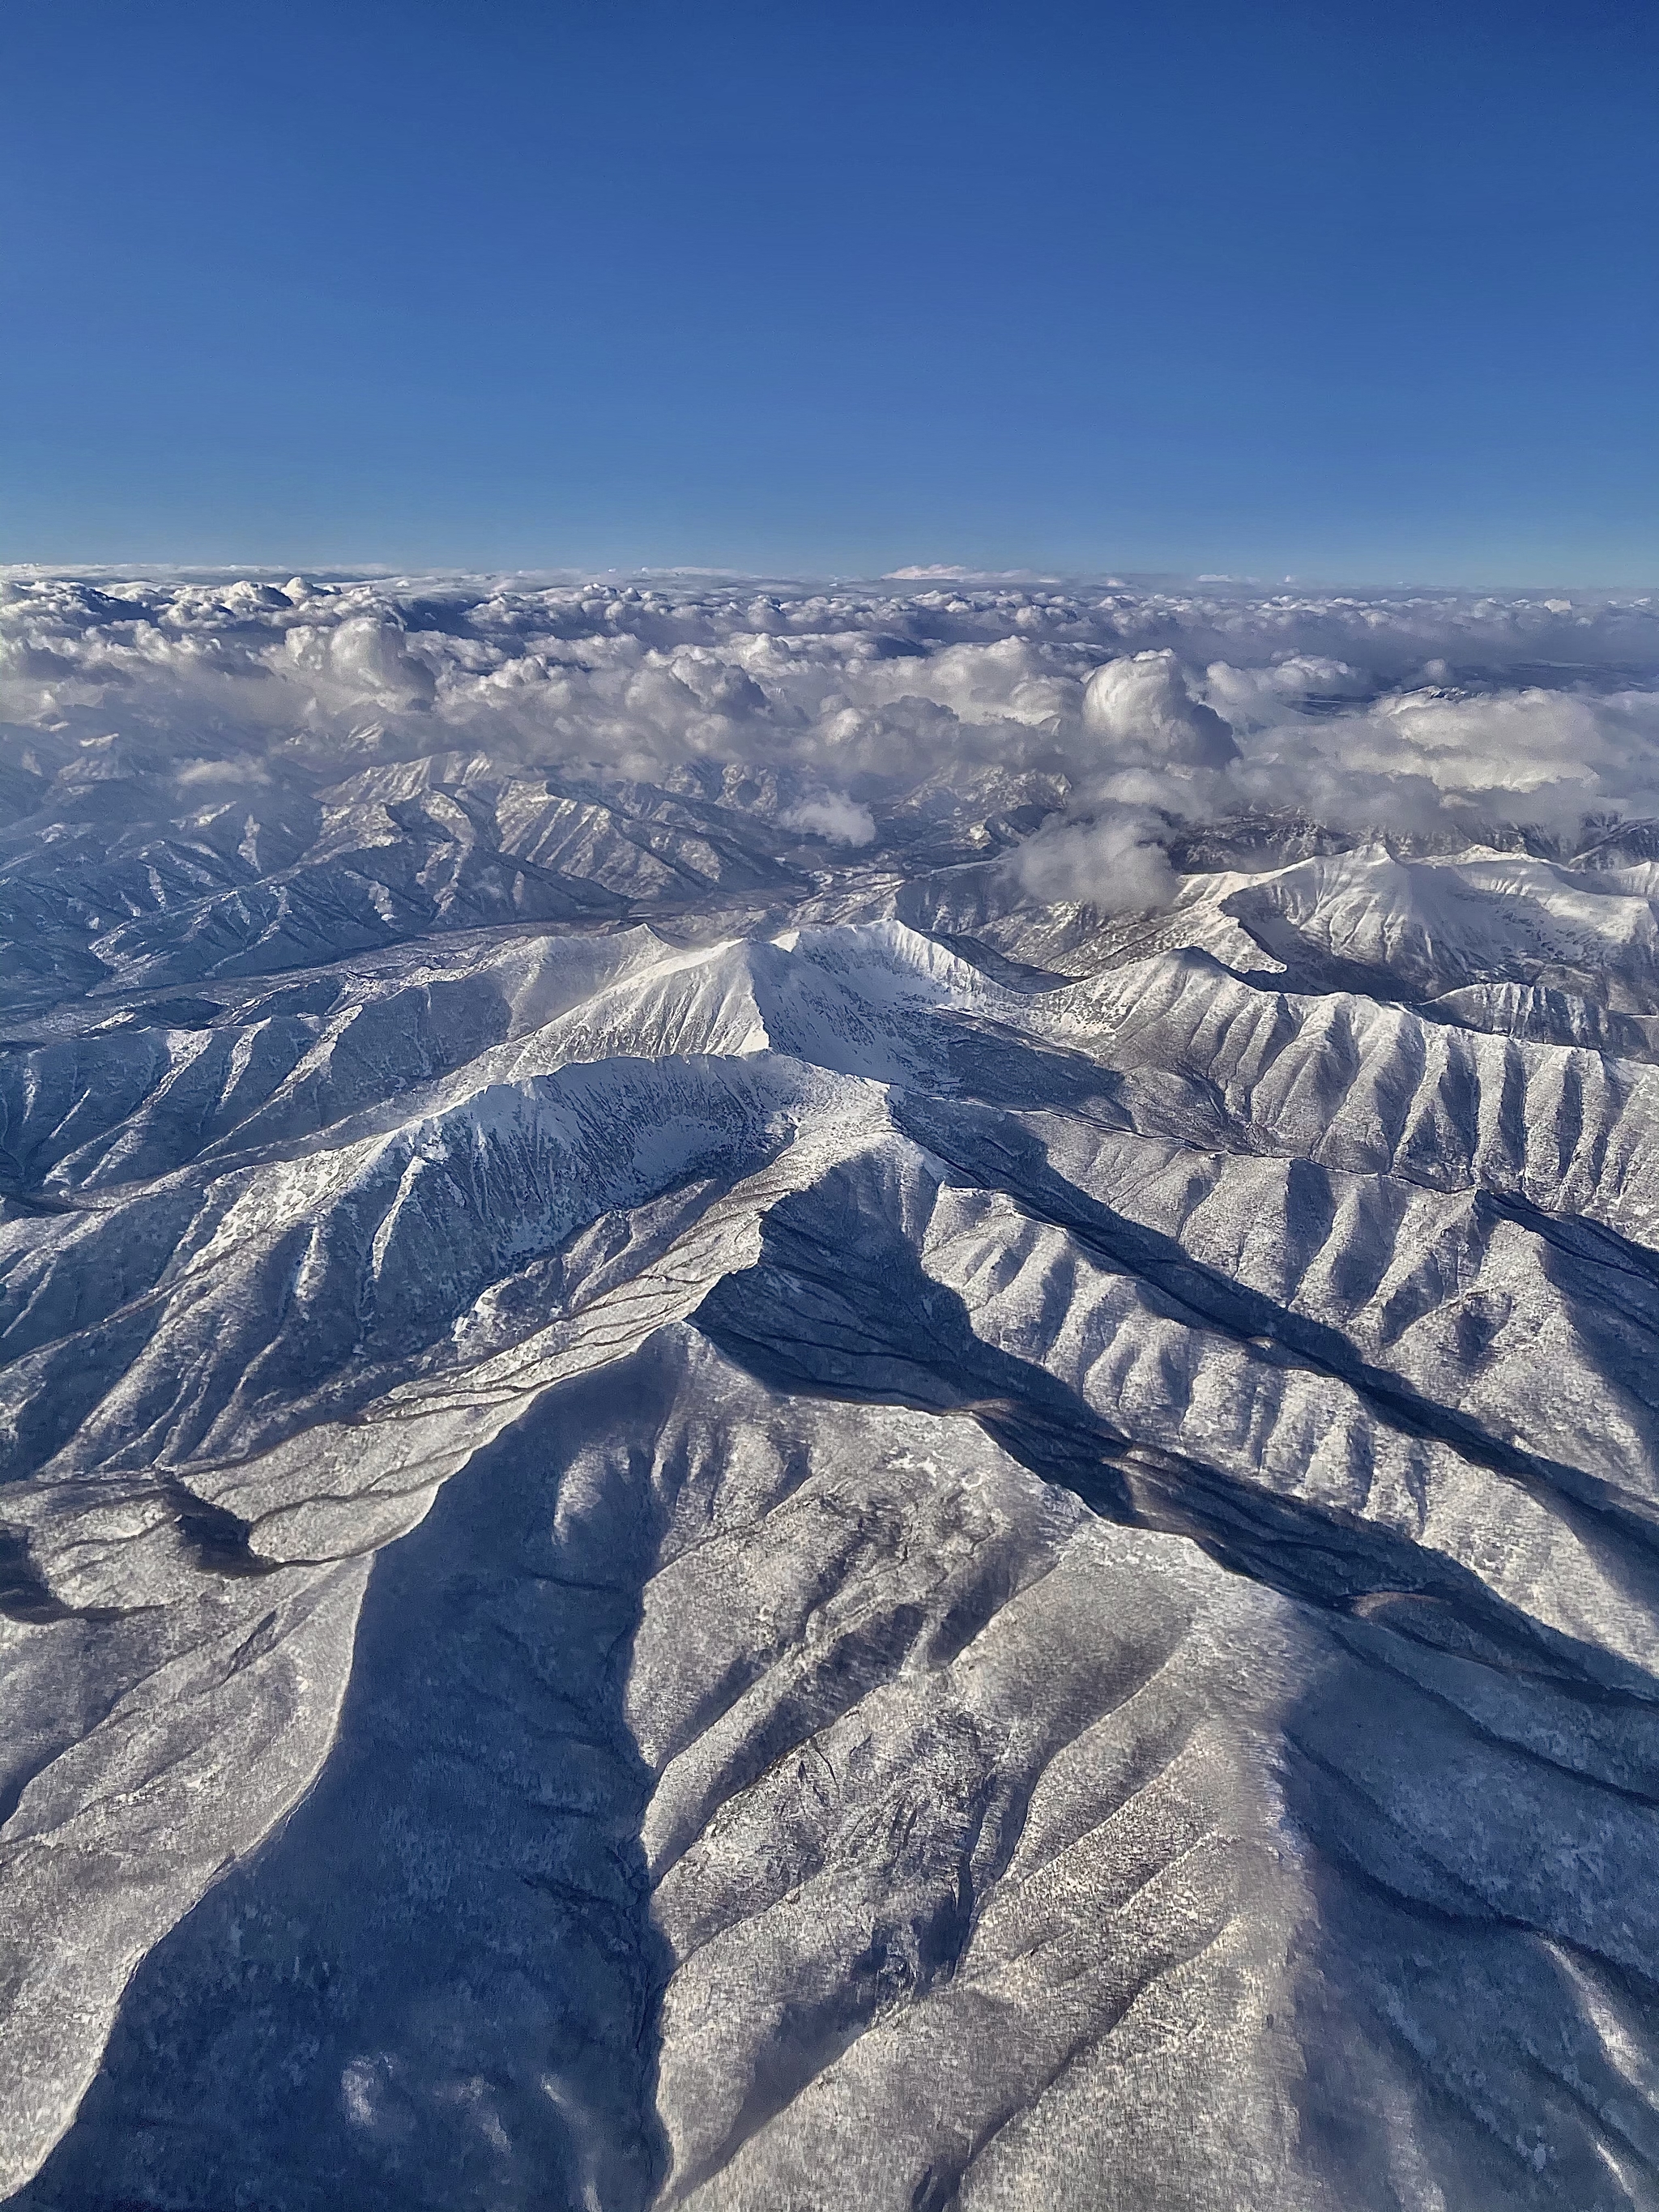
{"x": 1364, "y": 292}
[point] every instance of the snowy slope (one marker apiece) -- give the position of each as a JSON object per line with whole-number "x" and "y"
{"x": 716, "y": 1496}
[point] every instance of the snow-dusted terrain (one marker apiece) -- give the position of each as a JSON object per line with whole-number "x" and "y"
{"x": 828, "y": 1400}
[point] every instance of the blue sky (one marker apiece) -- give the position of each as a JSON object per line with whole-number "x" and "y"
{"x": 1365, "y": 293}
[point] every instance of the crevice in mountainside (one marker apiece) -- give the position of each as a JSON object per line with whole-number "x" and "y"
{"x": 815, "y": 1314}
{"x": 1201, "y": 1296}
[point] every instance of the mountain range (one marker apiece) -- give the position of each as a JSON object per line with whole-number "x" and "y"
{"x": 826, "y": 1398}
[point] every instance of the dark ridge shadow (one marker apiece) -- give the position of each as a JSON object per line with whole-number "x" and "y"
{"x": 25, "y": 1593}
{"x": 34, "y": 1201}
{"x": 1012, "y": 975}
{"x": 1477, "y": 1977}
{"x": 1476, "y": 1793}
{"x": 838, "y": 1306}
{"x": 999, "y": 1068}
{"x": 216, "y": 1539}
{"x": 185, "y": 1013}
{"x": 998, "y": 1153}
{"x": 1309, "y": 970}
{"x": 433, "y": 1988}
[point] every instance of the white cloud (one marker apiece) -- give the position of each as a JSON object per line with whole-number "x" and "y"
{"x": 1115, "y": 865}
{"x": 233, "y": 771}
{"x": 833, "y": 817}
{"x": 942, "y": 571}
{"x": 1426, "y": 714}
{"x": 365, "y": 657}
{"x": 1139, "y": 705}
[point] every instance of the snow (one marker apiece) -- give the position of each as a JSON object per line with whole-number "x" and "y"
{"x": 826, "y": 1404}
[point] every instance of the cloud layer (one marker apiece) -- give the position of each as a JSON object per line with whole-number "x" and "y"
{"x": 1105, "y": 722}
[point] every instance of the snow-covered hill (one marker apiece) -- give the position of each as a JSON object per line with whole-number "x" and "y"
{"x": 826, "y": 1400}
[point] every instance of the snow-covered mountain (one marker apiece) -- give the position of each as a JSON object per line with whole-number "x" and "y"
{"x": 826, "y": 1398}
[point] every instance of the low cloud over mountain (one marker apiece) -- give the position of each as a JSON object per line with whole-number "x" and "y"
{"x": 828, "y": 1396}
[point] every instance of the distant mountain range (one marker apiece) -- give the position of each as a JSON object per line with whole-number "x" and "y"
{"x": 826, "y": 1401}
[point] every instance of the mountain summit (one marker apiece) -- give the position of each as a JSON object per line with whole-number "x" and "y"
{"x": 828, "y": 1398}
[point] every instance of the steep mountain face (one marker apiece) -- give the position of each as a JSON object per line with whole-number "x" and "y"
{"x": 790, "y": 1421}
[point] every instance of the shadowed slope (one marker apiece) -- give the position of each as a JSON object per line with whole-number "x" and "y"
{"x": 1006, "y": 1564}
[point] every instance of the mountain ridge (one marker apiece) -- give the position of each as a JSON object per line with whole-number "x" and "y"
{"x": 697, "y": 1511}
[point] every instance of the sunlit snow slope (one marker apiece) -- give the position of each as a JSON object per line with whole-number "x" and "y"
{"x": 827, "y": 1402}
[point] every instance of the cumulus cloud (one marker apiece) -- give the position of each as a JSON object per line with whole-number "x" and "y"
{"x": 1117, "y": 865}
{"x": 364, "y": 657}
{"x": 834, "y": 817}
{"x": 1000, "y": 701}
{"x": 1141, "y": 704}
{"x": 1433, "y": 759}
{"x": 233, "y": 771}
